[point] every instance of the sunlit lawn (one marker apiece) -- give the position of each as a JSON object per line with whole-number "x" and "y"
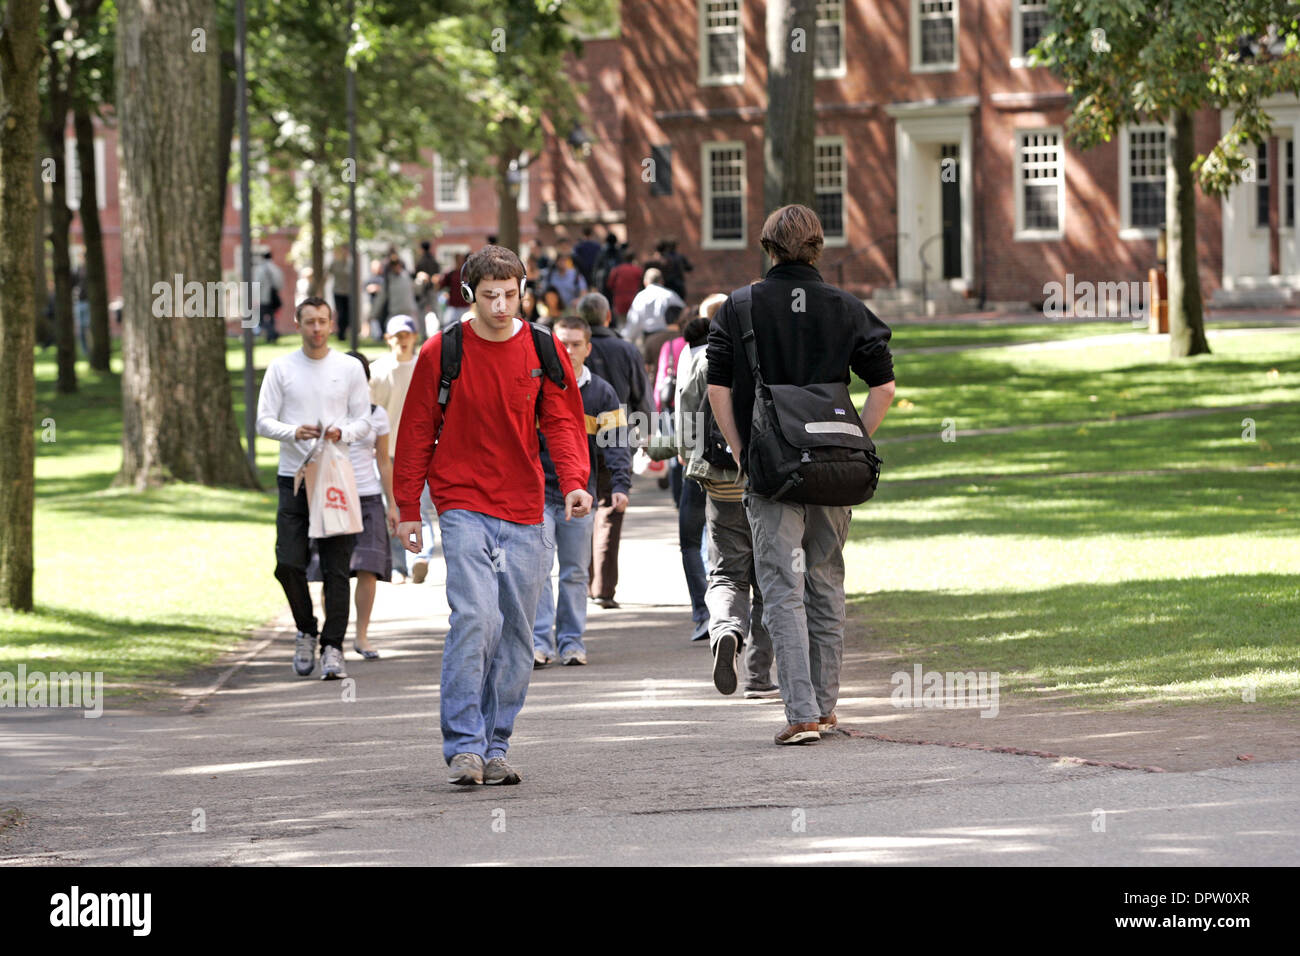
{"x": 976, "y": 554}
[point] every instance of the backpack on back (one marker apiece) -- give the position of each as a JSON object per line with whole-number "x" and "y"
{"x": 807, "y": 443}
{"x": 453, "y": 348}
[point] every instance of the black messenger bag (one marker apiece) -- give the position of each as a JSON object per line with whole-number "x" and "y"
{"x": 807, "y": 444}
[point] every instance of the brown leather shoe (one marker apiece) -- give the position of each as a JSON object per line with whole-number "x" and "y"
{"x": 827, "y": 724}
{"x": 799, "y": 734}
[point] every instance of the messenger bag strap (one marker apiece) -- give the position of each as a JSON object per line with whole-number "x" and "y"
{"x": 743, "y": 300}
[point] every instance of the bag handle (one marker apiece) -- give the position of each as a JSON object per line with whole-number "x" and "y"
{"x": 743, "y": 300}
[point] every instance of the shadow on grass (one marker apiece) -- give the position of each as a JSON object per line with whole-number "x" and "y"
{"x": 125, "y": 649}
{"x": 1182, "y": 505}
{"x": 174, "y": 502}
{"x": 1151, "y": 638}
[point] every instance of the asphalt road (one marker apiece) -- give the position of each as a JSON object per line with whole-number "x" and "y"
{"x": 634, "y": 759}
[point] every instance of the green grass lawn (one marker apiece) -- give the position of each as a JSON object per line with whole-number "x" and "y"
{"x": 1105, "y": 585}
{"x": 143, "y": 587}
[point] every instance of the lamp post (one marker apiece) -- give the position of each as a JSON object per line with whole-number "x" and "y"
{"x": 354, "y": 274}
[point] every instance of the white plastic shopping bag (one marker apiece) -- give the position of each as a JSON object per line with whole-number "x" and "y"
{"x": 332, "y": 499}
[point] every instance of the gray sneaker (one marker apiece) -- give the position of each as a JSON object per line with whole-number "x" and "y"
{"x": 304, "y": 654}
{"x": 573, "y": 657}
{"x": 466, "y": 769}
{"x": 331, "y": 664}
{"x": 500, "y": 772}
{"x": 770, "y": 692}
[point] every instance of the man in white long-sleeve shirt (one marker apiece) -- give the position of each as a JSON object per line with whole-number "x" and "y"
{"x": 302, "y": 393}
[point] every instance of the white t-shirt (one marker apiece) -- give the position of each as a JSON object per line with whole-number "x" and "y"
{"x": 362, "y": 454}
{"x": 298, "y": 390}
{"x": 389, "y": 382}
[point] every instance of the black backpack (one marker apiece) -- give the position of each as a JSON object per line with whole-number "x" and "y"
{"x": 807, "y": 443}
{"x": 453, "y": 347}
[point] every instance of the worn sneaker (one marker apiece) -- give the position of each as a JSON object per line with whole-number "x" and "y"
{"x": 799, "y": 734}
{"x": 539, "y": 659}
{"x": 828, "y": 724}
{"x": 331, "y": 664}
{"x": 304, "y": 654}
{"x": 419, "y": 571}
{"x": 571, "y": 658}
{"x": 762, "y": 693}
{"x": 500, "y": 772}
{"x": 466, "y": 769}
{"x": 724, "y": 662}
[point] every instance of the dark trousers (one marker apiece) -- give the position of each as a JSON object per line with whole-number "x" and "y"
{"x": 267, "y": 323}
{"x": 343, "y": 303}
{"x": 291, "y": 558}
{"x": 690, "y": 535}
{"x": 605, "y": 538}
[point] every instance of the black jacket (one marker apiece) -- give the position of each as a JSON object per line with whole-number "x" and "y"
{"x": 833, "y": 334}
{"x": 618, "y": 362}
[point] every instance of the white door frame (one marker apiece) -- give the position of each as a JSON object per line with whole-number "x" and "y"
{"x": 923, "y": 123}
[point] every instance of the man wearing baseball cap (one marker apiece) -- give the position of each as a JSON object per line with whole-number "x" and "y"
{"x": 390, "y": 378}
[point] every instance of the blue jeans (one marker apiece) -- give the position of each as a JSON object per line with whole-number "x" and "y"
{"x": 493, "y": 579}
{"x": 82, "y": 311}
{"x": 564, "y": 623}
{"x": 690, "y": 530}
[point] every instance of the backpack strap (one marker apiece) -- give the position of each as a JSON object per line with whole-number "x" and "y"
{"x": 743, "y": 300}
{"x": 544, "y": 343}
{"x": 452, "y": 338}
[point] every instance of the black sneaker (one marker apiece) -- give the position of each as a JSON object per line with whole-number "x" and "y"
{"x": 724, "y": 662}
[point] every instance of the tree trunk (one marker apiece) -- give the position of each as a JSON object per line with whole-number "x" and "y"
{"x": 96, "y": 274}
{"x": 790, "y": 126}
{"x": 59, "y": 82}
{"x": 317, "y": 284}
{"x": 1186, "y": 314}
{"x": 41, "y": 284}
{"x": 177, "y": 419}
{"x": 20, "y": 110}
{"x": 507, "y": 205}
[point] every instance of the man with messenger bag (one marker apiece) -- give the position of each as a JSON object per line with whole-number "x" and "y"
{"x": 780, "y": 353}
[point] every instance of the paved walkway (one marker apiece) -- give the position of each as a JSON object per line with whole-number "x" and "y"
{"x": 634, "y": 759}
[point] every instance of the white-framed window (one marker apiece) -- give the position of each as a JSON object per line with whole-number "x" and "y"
{"x": 828, "y": 186}
{"x": 1028, "y": 20}
{"x": 723, "y": 167}
{"x": 72, "y": 169}
{"x": 722, "y": 42}
{"x": 1264, "y": 179}
{"x": 934, "y": 35}
{"x": 829, "y": 39}
{"x": 1143, "y": 152}
{"x": 450, "y": 187}
{"x": 1040, "y": 183}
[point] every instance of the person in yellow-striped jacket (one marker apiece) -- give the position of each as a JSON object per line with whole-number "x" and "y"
{"x": 562, "y": 619}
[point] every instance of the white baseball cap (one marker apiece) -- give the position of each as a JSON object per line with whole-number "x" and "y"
{"x": 401, "y": 323}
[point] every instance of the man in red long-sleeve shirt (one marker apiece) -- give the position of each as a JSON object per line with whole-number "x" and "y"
{"x": 487, "y": 484}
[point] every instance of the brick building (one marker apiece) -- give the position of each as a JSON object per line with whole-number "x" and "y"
{"x": 940, "y": 156}
{"x": 941, "y": 160}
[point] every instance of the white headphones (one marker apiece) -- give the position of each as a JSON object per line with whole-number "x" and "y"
{"x": 468, "y": 293}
